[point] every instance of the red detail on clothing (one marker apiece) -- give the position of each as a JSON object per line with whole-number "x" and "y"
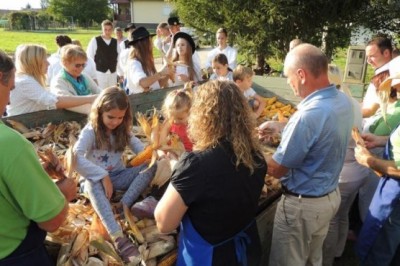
{"x": 181, "y": 131}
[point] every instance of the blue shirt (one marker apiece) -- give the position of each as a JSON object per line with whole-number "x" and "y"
{"x": 314, "y": 142}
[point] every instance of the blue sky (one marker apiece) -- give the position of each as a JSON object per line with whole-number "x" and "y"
{"x": 18, "y": 4}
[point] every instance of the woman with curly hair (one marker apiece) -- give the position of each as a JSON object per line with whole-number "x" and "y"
{"x": 214, "y": 190}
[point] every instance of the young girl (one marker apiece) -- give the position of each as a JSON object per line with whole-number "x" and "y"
{"x": 186, "y": 68}
{"x": 99, "y": 149}
{"x": 221, "y": 68}
{"x": 176, "y": 110}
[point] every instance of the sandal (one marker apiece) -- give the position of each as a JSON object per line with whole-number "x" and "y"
{"x": 144, "y": 208}
{"x": 127, "y": 250}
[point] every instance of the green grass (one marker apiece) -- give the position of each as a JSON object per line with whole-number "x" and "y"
{"x": 11, "y": 39}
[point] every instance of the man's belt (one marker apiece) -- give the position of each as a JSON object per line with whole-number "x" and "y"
{"x": 288, "y": 192}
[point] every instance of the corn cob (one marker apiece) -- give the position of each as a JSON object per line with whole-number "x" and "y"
{"x": 142, "y": 157}
{"x": 135, "y": 230}
{"x": 155, "y": 131}
{"x": 169, "y": 259}
{"x": 161, "y": 247}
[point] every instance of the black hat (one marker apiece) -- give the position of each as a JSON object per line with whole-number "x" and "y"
{"x": 138, "y": 34}
{"x": 173, "y": 21}
{"x": 185, "y": 36}
{"x": 130, "y": 26}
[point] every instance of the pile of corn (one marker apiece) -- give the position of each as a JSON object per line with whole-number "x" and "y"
{"x": 276, "y": 110}
{"x": 85, "y": 241}
{"x": 82, "y": 238}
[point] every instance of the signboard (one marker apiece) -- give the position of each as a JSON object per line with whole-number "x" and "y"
{"x": 356, "y": 65}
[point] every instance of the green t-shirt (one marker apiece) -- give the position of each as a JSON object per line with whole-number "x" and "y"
{"x": 26, "y": 191}
{"x": 382, "y": 128}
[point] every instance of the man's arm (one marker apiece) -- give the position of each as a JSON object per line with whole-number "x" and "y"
{"x": 275, "y": 169}
{"x": 364, "y": 157}
{"x": 54, "y": 223}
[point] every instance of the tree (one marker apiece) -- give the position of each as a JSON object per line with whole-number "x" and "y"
{"x": 44, "y": 4}
{"x": 380, "y": 15}
{"x": 264, "y": 28}
{"x": 81, "y": 11}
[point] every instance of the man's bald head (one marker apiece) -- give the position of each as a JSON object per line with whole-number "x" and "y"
{"x": 308, "y": 57}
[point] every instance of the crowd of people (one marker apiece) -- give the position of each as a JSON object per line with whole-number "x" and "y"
{"x": 214, "y": 190}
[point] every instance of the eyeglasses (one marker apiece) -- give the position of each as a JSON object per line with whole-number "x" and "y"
{"x": 80, "y": 65}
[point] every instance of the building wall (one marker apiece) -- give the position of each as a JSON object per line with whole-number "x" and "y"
{"x": 150, "y": 12}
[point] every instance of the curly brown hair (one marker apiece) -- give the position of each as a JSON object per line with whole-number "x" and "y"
{"x": 220, "y": 113}
{"x": 111, "y": 98}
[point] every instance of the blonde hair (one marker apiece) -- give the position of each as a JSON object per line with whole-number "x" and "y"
{"x": 71, "y": 52}
{"x": 109, "y": 99}
{"x": 176, "y": 101}
{"x": 242, "y": 72}
{"x": 106, "y": 23}
{"x": 220, "y": 113}
{"x": 29, "y": 60}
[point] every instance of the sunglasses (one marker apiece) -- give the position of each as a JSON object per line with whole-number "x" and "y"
{"x": 80, "y": 65}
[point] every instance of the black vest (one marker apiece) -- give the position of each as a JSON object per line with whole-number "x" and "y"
{"x": 106, "y": 55}
{"x": 126, "y": 44}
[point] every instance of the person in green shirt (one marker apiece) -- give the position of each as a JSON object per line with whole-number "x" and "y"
{"x": 31, "y": 204}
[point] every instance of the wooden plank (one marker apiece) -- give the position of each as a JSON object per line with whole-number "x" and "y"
{"x": 275, "y": 86}
{"x": 41, "y": 118}
{"x": 141, "y": 102}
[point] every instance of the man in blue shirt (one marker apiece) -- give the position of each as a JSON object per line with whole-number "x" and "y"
{"x": 309, "y": 159}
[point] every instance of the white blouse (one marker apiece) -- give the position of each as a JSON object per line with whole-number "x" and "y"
{"x": 29, "y": 96}
{"x": 230, "y": 52}
{"x": 134, "y": 73}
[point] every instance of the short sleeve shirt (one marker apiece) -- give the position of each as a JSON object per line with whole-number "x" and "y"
{"x": 222, "y": 200}
{"x": 26, "y": 191}
{"x": 314, "y": 142}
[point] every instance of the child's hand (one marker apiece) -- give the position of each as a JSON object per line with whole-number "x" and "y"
{"x": 108, "y": 187}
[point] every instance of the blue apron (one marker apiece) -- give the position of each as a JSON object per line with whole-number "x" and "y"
{"x": 194, "y": 250}
{"x": 385, "y": 198}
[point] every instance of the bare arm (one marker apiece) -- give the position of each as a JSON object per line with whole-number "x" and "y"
{"x": 372, "y": 141}
{"x": 170, "y": 210}
{"x": 261, "y": 105}
{"x": 369, "y": 111}
{"x": 72, "y": 101}
{"x": 54, "y": 223}
{"x": 161, "y": 77}
{"x": 275, "y": 169}
{"x": 365, "y": 158}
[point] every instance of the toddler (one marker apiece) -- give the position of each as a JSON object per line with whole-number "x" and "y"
{"x": 243, "y": 77}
